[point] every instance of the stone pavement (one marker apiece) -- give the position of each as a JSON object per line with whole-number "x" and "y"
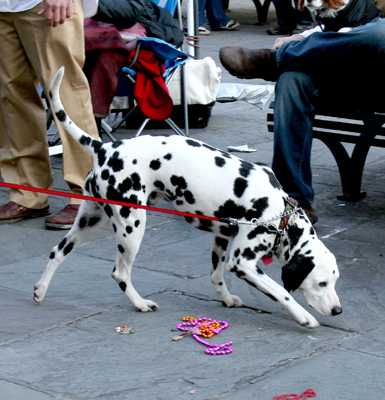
{"x": 67, "y": 348}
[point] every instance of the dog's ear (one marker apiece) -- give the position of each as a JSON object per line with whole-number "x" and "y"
{"x": 335, "y": 4}
{"x": 301, "y": 5}
{"x": 295, "y": 271}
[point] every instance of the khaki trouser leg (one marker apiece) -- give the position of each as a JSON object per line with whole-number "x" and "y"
{"x": 48, "y": 49}
{"x": 24, "y": 156}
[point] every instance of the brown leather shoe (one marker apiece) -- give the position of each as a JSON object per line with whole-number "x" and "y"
{"x": 311, "y": 214}
{"x": 249, "y": 63}
{"x": 13, "y": 212}
{"x": 63, "y": 219}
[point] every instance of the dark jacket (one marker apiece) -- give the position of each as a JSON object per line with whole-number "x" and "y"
{"x": 356, "y": 13}
{"x": 158, "y": 22}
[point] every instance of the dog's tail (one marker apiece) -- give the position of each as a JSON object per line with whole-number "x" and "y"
{"x": 89, "y": 143}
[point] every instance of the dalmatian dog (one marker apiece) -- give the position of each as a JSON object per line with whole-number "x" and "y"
{"x": 201, "y": 180}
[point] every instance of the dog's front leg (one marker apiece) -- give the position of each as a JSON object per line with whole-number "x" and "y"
{"x": 129, "y": 235}
{"x": 219, "y": 246}
{"x": 253, "y": 275}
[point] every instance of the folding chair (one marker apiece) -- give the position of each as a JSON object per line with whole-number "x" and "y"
{"x": 166, "y": 54}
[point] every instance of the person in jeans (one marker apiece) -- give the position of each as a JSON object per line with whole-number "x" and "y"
{"x": 36, "y": 39}
{"x": 303, "y": 66}
{"x": 290, "y": 19}
{"x": 216, "y": 17}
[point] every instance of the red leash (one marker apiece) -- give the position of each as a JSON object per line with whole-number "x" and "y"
{"x": 119, "y": 203}
{"x": 304, "y": 395}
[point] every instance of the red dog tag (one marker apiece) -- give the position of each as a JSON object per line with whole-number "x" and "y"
{"x": 267, "y": 260}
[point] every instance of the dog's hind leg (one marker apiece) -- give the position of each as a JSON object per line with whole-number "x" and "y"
{"x": 89, "y": 219}
{"x": 129, "y": 235}
{"x": 219, "y": 246}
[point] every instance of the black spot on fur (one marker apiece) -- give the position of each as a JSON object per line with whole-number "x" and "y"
{"x": 136, "y": 184}
{"x": 93, "y": 221}
{"x": 260, "y": 247}
{"x": 258, "y": 207}
{"x": 125, "y": 212}
{"x": 108, "y": 210}
{"x": 123, "y": 286}
{"x": 128, "y": 229}
{"x": 168, "y": 157}
{"x": 155, "y": 164}
{"x": 115, "y": 162}
{"x": 114, "y": 227}
{"x": 105, "y": 174}
{"x": 84, "y": 140}
{"x": 237, "y": 253}
{"x": 240, "y": 186}
{"x": 159, "y": 185}
{"x": 125, "y": 185}
{"x": 101, "y": 155}
{"x": 273, "y": 180}
{"x": 137, "y": 223}
{"x": 68, "y": 248}
{"x": 257, "y": 231}
{"x": 179, "y": 182}
{"x": 189, "y": 197}
{"x": 219, "y": 161}
{"x": 259, "y": 270}
{"x": 82, "y": 222}
{"x": 52, "y": 255}
{"x": 214, "y": 259}
{"x": 193, "y": 143}
{"x": 230, "y": 209}
{"x": 207, "y": 146}
{"x": 296, "y": 270}
{"x": 221, "y": 242}
{"x": 294, "y": 233}
{"x": 61, "y": 115}
{"x": 112, "y": 180}
{"x": 134, "y": 161}
{"x": 248, "y": 254}
{"x": 62, "y": 244}
{"x": 113, "y": 194}
{"x": 121, "y": 248}
{"x": 245, "y": 168}
{"x": 116, "y": 144}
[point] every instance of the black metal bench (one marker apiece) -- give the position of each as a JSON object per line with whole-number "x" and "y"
{"x": 334, "y": 127}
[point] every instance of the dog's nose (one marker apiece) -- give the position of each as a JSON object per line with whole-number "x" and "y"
{"x": 336, "y": 310}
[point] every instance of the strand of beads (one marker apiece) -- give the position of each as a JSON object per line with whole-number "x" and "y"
{"x": 207, "y": 328}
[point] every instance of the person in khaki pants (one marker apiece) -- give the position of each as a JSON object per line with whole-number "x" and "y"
{"x": 36, "y": 39}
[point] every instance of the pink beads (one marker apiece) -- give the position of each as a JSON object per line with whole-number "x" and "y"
{"x": 204, "y": 325}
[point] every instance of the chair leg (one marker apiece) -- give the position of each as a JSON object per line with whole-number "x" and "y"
{"x": 175, "y": 127}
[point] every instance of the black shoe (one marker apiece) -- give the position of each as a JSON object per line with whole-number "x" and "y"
{"x": 280, "y": 30}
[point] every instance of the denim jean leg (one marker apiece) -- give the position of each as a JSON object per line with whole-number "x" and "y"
{"x": 342, "y": 56}
{"x": 293, "y": 134}
{"x": 201, "y": 8}
{"x": 215, "y": 15}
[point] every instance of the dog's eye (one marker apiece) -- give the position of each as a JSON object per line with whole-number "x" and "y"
{"x": 322, "y": 284}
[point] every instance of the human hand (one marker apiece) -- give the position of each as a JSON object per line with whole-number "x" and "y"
{"x": 56, "y": 11}
{"x": 280, "y": 41}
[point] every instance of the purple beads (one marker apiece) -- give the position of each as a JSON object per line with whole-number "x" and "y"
{"x": 214, "y": 349}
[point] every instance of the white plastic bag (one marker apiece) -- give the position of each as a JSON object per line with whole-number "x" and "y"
{"x": 203, "y": 79}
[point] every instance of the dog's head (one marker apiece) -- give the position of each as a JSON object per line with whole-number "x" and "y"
{"x": 323, "y": 6}
{"x": 312, "y": 269}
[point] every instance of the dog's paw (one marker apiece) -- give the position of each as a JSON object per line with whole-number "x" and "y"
{"x": 232, "y": 301}
{"x": 39, "y": 293}
{"x": 146, "y": 306}
{"x": 308, "y": 322}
